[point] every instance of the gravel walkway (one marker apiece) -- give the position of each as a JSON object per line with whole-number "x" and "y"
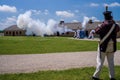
{"x": 53, "y": 61}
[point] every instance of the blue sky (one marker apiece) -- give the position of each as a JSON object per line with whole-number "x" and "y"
{"x": 67, "y": 10}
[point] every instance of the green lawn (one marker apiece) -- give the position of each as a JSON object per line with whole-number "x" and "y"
{"x": 29, "y": 45}
{"x": 71, "y": 74}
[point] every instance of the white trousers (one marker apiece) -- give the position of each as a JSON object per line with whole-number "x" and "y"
{"x": 100, "y": 61}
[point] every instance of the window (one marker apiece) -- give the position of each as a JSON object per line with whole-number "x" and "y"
{"x": 20, "y": 32}
{"x": 6, "y": 32}
{"x": 9, "y": 32}
{"x": 16, "y": 32}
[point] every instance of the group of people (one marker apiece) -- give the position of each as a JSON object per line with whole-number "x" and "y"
{"x": 79, "y": 34}
{"x": 82, "y": 34}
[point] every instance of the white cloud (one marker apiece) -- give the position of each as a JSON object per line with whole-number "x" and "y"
{"x": 6, "y": 8}
{"x": 74, "y": 21}
{"x": 94, "y": 4}
{"x": 37, "y": 12}
{"x": 11, "y": 19}
{"x": 76, "y": 11}
{"x": 115, "y": 4}
{"x": 64, "y": 14}
{"x": 95, "y": 19}
{"x": 7, "y": 22}
{"x": 46, "y": 12}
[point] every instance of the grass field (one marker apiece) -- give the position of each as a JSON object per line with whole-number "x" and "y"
{"x": 71, "y": 74}
{"x": 29, "y": 45}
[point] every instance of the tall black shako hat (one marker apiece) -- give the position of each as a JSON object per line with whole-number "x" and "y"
{"x": 107, "y": 14}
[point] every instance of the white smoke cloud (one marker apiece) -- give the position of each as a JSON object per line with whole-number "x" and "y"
{"x": 6, "y": 8}
{"x": 36, "y": 27}
{"x": 86, "y": 19}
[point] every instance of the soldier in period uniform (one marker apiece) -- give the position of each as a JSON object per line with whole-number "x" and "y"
{"x": 108, "y": 46}
{"x": 91, "y": 34}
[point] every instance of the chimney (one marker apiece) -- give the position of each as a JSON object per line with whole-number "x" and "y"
{"x": 90, "y": 21}
{"x": 61, "y": 22}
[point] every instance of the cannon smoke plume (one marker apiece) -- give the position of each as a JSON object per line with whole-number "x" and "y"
{"x": 36, "y": 27}
{"x": 86, "y": 19}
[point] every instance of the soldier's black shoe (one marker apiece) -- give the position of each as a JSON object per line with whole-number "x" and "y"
{"x": 112, "y": 79}
{"x": 94, "y": 78}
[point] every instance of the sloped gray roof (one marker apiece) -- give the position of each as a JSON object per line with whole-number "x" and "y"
{"x": 78, "y": 25}
{"x": 95, "y": 24}
{"x": 74, "y": 25}
{"x": 13, "y": 28}
{"x": 92, "y": 25}
{"x": 118, "y": 22}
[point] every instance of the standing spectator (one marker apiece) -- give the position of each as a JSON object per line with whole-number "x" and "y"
{"x": 78, "y": 33}
{"x": 75, "y": 34}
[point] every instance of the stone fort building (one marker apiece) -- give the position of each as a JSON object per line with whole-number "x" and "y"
{"x": 14, "y": 31}
{"x": 78, "y": 25}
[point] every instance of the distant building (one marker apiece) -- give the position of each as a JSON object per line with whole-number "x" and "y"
{"x": 71, "y": 28}
{"x": 72, "y": 25}
{"x": 91, "y": 26}
{"x": 78, "y": 25}
{"x": 14, "y": 31}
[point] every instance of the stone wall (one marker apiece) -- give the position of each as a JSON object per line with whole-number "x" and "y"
{"x": 14, "y": 33}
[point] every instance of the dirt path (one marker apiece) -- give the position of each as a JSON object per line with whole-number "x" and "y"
{"x": 53, "y": 61}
